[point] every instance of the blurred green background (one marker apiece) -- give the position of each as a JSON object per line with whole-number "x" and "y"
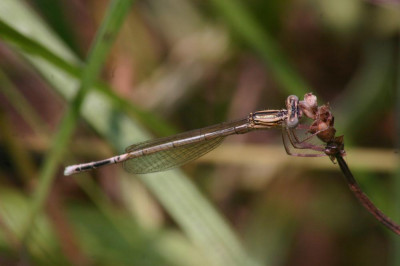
{"x": 82, "y": 80}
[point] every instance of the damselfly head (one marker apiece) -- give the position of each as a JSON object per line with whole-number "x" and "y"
{"x": 293, "y": 114}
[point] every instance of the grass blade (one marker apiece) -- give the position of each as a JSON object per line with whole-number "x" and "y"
{"x": 98, "y": 53}
{"x": 252, "y": 33}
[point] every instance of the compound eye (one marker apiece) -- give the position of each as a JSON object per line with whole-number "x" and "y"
{"x": 292, "y": 122}
{"x": 291, "y": 101}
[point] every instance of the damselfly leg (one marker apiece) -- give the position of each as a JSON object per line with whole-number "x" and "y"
{"x": 291, "y": 140}
{"x": 298, "y": 142}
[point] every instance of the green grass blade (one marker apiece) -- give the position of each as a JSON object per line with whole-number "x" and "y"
{"x": 242, "y": 23}
{"x": 33, "y": 47}
{"x": 367, "y": 87}
{"x": 99, "y": 51}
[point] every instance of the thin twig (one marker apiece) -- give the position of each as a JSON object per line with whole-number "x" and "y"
{"x": 362, "y": 197}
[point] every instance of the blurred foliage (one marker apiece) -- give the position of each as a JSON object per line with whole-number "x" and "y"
{"x": 176, "y": 65}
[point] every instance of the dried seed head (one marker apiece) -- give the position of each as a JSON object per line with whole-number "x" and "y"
{"x": 309, "y": 105}
{"x": 310, "y": 100}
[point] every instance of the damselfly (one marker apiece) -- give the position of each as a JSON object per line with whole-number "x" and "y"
{"x": 169, "y": 152}
{"x": 165, "y": 153}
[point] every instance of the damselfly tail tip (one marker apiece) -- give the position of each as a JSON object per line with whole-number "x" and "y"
{"x": 69, "y": 170}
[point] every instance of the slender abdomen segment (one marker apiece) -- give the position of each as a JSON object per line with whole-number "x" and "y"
{"x": 70, "y": 170}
